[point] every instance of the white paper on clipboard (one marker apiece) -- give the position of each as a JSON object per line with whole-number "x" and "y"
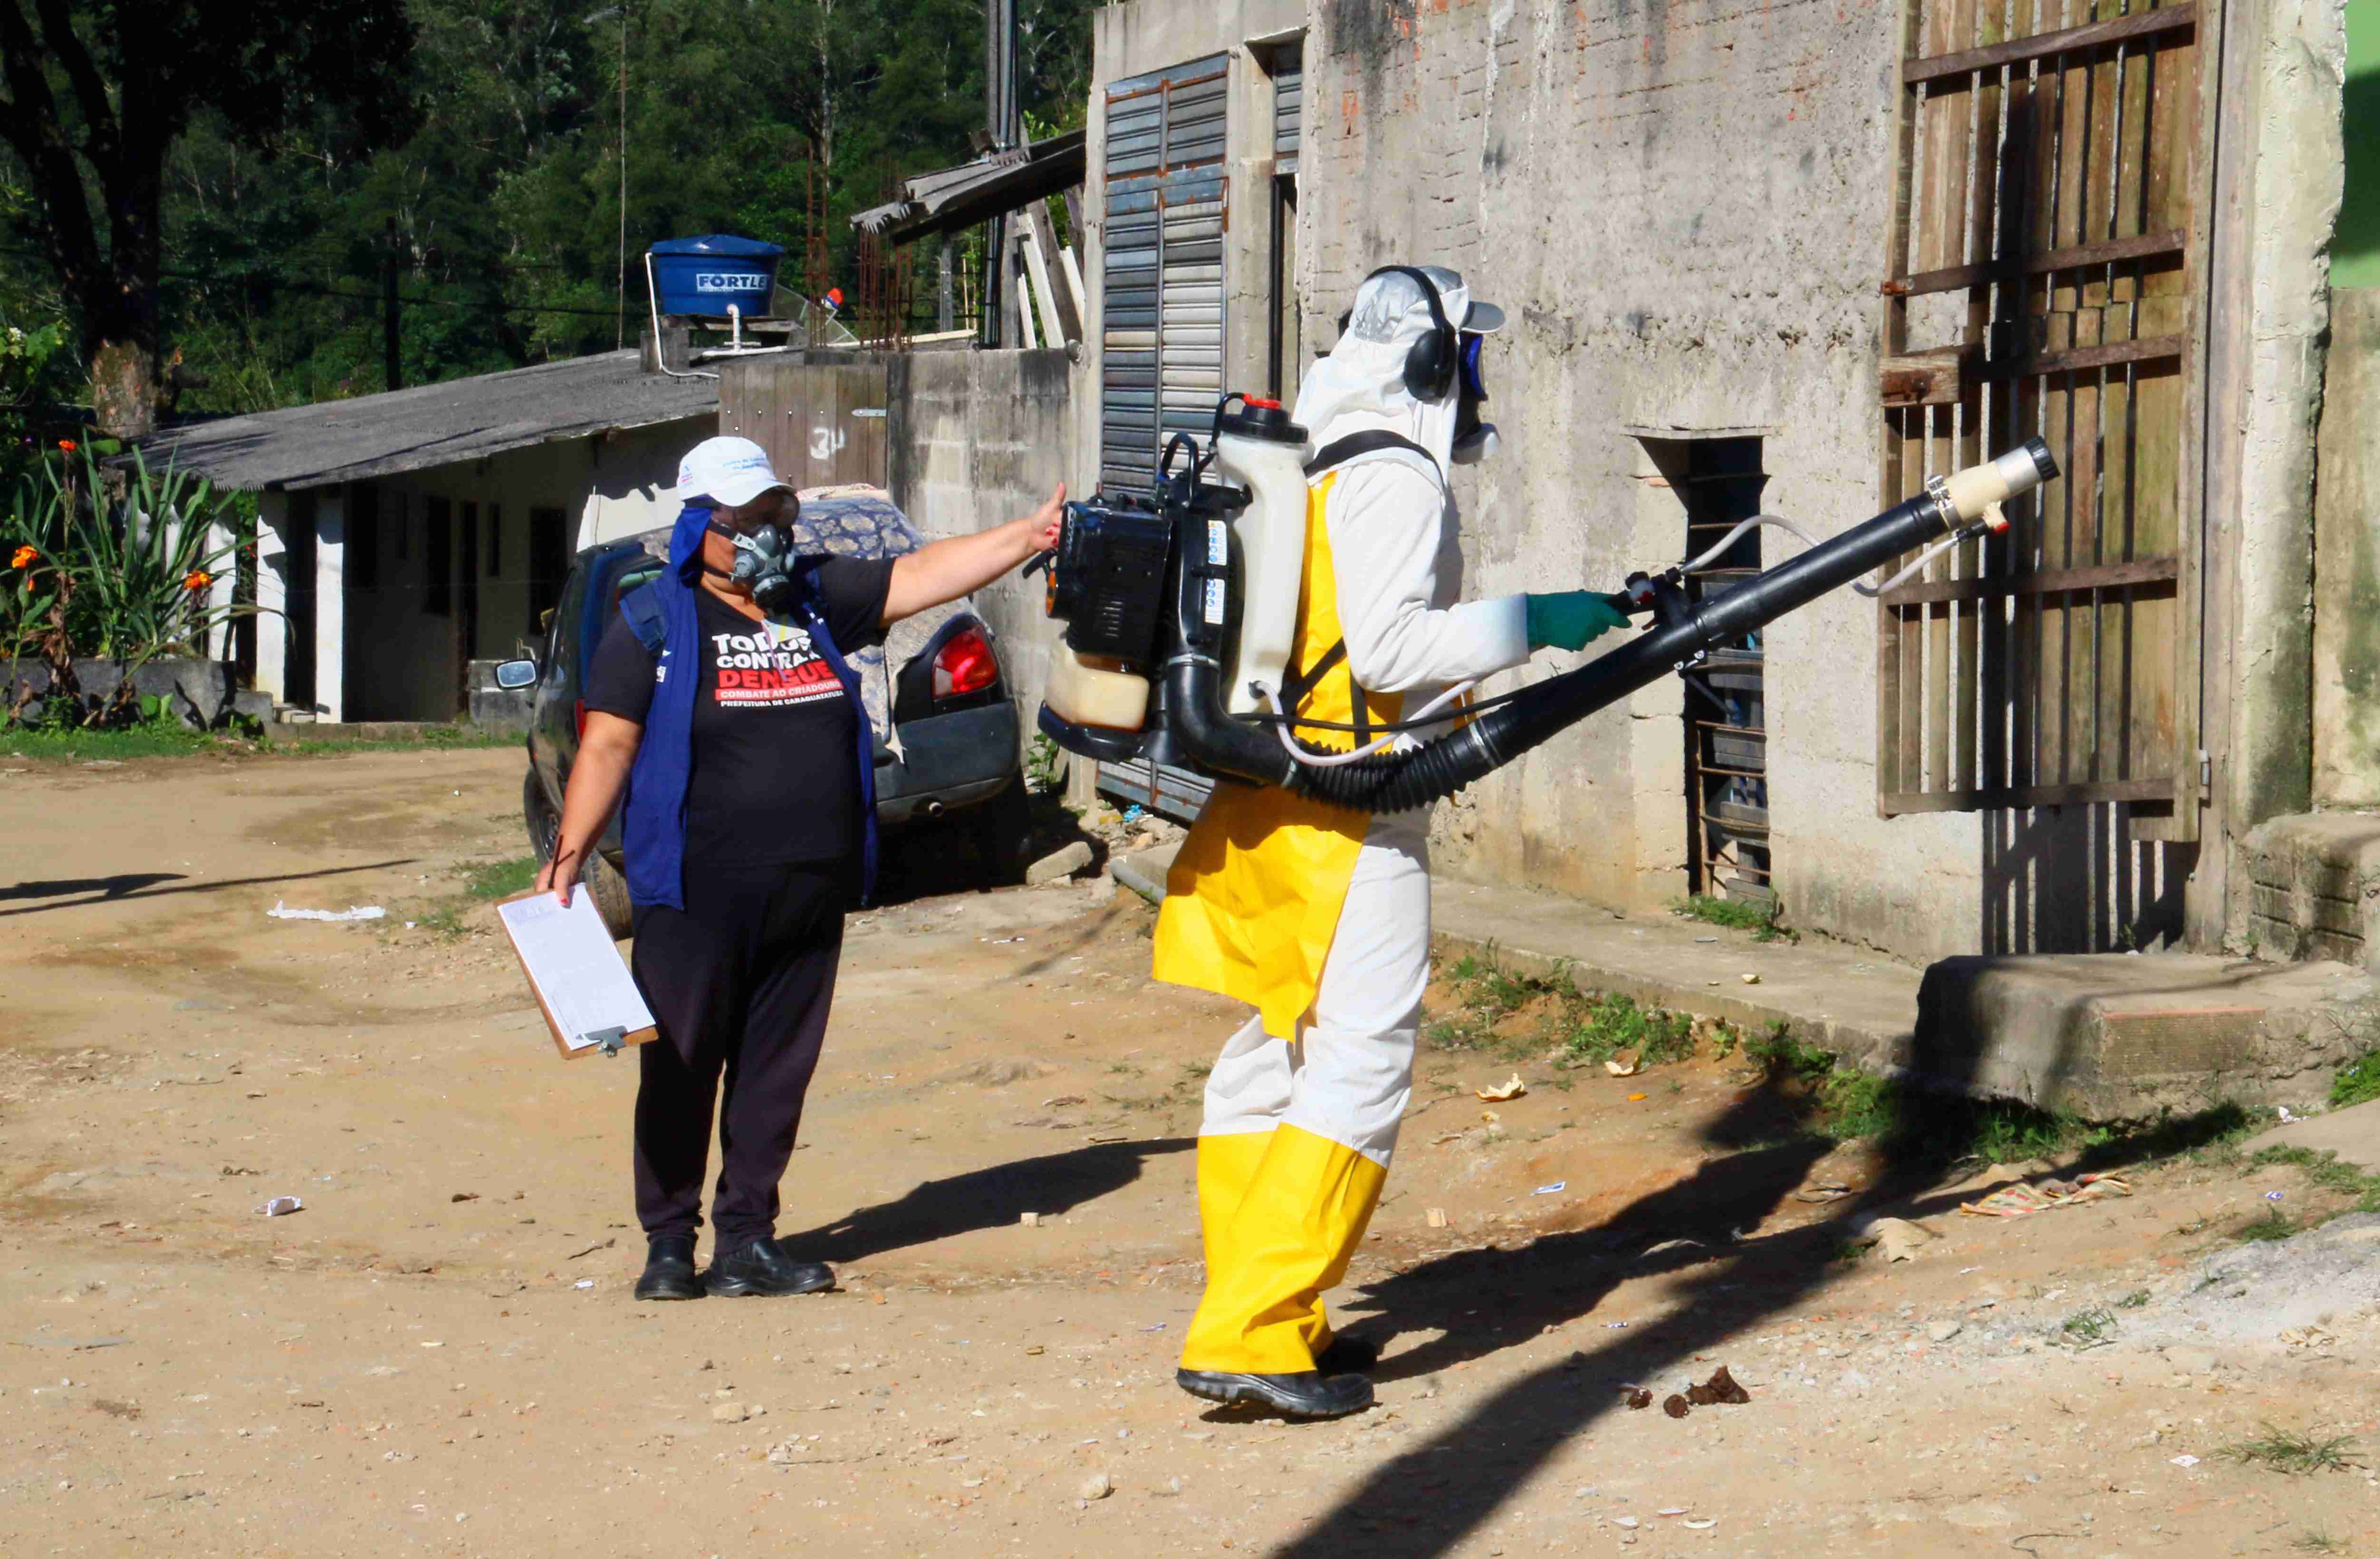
{"x": 573, "y": 966}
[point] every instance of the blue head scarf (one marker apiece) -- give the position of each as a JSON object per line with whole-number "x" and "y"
{"x": 653, "y": 822}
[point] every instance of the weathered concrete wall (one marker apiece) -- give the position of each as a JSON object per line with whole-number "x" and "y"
{"x": 2347, "y": 560}
{"x": 2276, "y": 202}
{"x": 975, "y": 438}
{"x": 1683, "y": 210}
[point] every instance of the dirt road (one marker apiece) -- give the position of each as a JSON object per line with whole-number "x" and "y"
{"x": 439, "y": 1355}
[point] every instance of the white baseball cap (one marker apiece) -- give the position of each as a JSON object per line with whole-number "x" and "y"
{"x": 731, "y": 471}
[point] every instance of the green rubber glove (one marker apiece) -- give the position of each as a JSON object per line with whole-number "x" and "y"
{"x": 1572, "y": 619}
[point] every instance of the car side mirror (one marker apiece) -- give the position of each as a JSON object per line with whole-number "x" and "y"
{"x": 512, "y": 676}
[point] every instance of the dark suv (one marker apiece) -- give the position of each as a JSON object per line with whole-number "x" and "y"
{"x": 948, "y": 702}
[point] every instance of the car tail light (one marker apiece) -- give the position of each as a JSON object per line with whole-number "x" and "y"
{"x": 965, "y": 665}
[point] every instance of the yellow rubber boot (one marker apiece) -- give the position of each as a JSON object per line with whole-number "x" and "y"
{"x": 1301, "y": 1218}
{"x": 1227, "y": 1166}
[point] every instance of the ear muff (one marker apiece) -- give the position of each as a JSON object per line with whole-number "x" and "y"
{"x": 1431, "y": 363}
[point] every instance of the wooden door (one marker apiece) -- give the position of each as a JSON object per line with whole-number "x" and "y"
{"x": 823, "y": 424}
{"x": 2046, "y": 265}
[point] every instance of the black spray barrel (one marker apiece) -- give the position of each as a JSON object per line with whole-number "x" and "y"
{"x": 1395, "y": 782}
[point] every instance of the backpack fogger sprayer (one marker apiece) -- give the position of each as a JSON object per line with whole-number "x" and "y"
{"x": 1182, "y": 615}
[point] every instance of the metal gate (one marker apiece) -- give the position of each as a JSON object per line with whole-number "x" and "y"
{"x": 2048, "y": 256}
{"x": 1161, "y": 281}
{"x": 822, "y": 423}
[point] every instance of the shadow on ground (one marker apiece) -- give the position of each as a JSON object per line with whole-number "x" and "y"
{"x": 143, "y": 885}
{"x": 1428, "y": 1498}
{"x": 993, "y": 1197}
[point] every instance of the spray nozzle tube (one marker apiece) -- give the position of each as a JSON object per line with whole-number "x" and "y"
{"x": 1684, "y": 632}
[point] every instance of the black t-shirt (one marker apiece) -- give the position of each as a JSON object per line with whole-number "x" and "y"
{"x": 774, "y": 777}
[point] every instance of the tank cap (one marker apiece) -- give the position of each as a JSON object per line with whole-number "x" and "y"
{"x": 1256, "y": 419}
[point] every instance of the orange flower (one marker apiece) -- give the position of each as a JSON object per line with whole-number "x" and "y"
{"x": 197, "y": 579}
{"x": 67, "y": 444}
{"x": 26, "y": 558}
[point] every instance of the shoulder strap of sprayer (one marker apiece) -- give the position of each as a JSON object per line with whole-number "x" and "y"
{"x": 1371, "y": 441}
{"x": 1301, "y": 682}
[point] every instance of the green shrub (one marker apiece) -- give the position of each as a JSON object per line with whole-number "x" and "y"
{"x": 110, "y": 566}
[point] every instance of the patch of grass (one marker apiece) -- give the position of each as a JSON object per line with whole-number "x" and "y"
{"x": 1855, "y": 1105}
{"x": 2293, "y": 1453}
{"x": 501, "y": 879}
{"x": 438, "y": 739}
{"x": 2357, "y": 1082}
{"x": 1765, "y": 922}
{"x": 2087, "y": 1329}
{"x": 2273, "y": 1224}
{"x": 2323, "y": 1169}
{"x": 446, "y": 919}
{"x": 1607, "y": 1023}
{"x": 2133, "y": 1300}
{"x": 67, "y": 744}
{"x": 164, "y": 739}
{"x": 2318, "y": 1542}
{"x": 1780, "y": 1052}
{"x": 1196, "y": 1070}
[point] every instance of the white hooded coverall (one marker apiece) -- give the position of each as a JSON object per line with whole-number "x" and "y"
{"x": 1304, "y": 1105}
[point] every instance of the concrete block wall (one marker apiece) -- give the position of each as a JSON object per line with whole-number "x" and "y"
{"x": 1683, "y": 210}
{"x": 974, "y": 438}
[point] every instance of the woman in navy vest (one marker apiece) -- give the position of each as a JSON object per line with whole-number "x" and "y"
{"x": 744, "y": 748}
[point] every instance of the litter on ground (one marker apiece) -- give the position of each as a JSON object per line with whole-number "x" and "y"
{"x": 2015, "y": 1202}
{"x": 353, "y": 912}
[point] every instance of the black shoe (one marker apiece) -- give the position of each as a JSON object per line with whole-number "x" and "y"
{"x": 1309, "y": 1393}
{"x": 763, "y": 1267}
{"x": 669, "y": 1269}
{"x": 1348, "y": 1356}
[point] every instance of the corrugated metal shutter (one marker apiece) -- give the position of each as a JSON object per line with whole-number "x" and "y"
{"x": 1288, "y": 109}
{"x": 1161, "y": 351}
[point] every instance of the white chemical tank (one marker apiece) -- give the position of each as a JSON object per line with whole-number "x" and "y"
{"x": 1258, "y": 448}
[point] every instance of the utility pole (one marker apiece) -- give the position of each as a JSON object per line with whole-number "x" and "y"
{"x": 620, "y": 295}
{"x": 1001, "y": 121}
{"x": 391, "y": 339}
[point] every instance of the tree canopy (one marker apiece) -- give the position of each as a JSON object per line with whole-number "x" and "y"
{"x": 484, "y": 138}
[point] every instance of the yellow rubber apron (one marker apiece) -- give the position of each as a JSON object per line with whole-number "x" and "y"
{"x": 1253, "y": 897}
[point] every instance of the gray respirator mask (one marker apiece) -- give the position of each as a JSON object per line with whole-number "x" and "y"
{"x": 764, "y": 561}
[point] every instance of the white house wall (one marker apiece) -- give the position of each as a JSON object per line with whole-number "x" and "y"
{"x": 403, "y": 658}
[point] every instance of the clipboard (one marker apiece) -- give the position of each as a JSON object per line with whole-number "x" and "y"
{"x": 569, "y": 950}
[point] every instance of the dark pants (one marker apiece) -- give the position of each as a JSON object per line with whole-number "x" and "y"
{"x": 741, "y": 980}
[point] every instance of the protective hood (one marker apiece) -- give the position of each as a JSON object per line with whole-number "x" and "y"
{"x": 1360, "y": 387}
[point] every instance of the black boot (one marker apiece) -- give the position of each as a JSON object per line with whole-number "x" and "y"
{"x": 1348, "y": 1356}
{"x": 669, "y": 1269}
{"x": 1309, "y": 1393}
{"x": 763, "y": 1267}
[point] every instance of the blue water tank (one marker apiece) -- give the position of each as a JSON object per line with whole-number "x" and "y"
{"x": 703, "y": 276}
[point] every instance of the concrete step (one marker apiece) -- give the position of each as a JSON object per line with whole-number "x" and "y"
{"x": 2111, "y": 1035}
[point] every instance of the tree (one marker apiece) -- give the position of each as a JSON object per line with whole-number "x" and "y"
{"x": 96, "y": 94}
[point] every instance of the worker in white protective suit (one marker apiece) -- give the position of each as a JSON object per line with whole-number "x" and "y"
{"x": 1319, "y": 917}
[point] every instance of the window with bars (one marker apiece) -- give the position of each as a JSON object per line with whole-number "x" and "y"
{"x": 2045, "y": 261}
{"x": 1161, "y": 282}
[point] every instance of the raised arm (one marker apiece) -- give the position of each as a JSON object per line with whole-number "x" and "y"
{"x": 949, "y": 569}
